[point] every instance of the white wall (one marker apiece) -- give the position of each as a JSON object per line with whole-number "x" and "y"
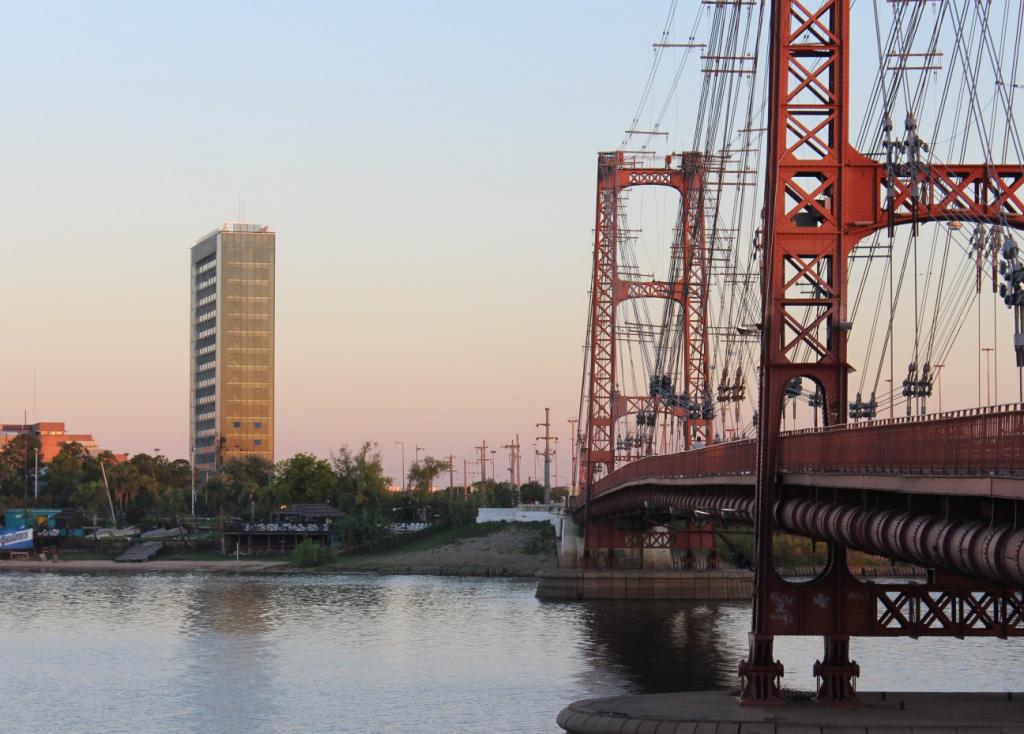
{"x": 515, "y": 514}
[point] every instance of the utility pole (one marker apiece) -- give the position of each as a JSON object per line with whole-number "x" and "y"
{"x": 192, "y": 462}
{"x": 402, "y": 444}
{"x": 451, "y": 474}
{"x": 483, "y": 461}
{"x": 24, "y": 439}
{"x": 518, "y": 461}
{"x": 465, "y": 477}
{"x": 547, "y": 454}
{"x": 513, "y": 461}
{"x": 572, "y": 452}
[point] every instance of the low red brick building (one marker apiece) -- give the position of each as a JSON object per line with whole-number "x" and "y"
{"x": 52, "y": 437}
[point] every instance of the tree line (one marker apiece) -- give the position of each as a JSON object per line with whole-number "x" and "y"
{"x": 156, "y": 489}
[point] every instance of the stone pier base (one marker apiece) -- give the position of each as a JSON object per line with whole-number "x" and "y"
{"x": 577, "y": 584}
{"x": 719, "y": 713}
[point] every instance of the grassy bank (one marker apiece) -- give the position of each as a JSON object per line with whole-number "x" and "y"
{"x": 495, "y": 546}
{"x": 437, "y": 537}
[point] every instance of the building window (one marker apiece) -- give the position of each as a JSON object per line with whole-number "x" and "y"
{"x": 258, "y": 424}
{"x": 258, "y": 442}
{"x": 236, "y": 424}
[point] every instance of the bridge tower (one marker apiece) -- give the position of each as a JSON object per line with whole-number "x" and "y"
{"x": 605, "y": 403}
{"x": 822, "y": 197}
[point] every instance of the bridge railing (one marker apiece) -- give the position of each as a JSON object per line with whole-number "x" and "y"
{"x": 980, "y": 441}
{"x": 720, "y": 459}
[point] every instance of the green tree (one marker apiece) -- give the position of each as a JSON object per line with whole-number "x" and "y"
{"x": 531, "y": 492}
{"x": 366, "y": 529}
{"x": 17, "y": 459}
{"x": 178, "y": 473}
{"x": 559, "y": 494}
{"x": 173, "y": 502}
{"x": 495, "y": 494}
{"x": 423, "y": 473}
{"x": 254, "y": 470}
{"x": 361, "y": 482}
{"x": 239, "y": 487}
{"x": 133, "y": 491}
{"x": 304, "y": 478}
{"x": 455, "y": 510}
{"x": 214, "y": 497}
{"x": 149, "y": 465}
{"x": 64, "y": 474}
{"x": 91, "y": 499}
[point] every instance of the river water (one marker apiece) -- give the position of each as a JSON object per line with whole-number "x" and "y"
{"x": 312, "y": 653}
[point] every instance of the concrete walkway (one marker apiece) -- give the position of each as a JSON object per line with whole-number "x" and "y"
{"x": 718, "y": 713}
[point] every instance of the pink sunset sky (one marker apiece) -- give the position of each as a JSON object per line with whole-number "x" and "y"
{"x": 430, "y": 176}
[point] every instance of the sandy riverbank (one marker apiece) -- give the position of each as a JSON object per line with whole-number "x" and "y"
{"x": 179, "y": 566}
{"x": 506, "y": 552}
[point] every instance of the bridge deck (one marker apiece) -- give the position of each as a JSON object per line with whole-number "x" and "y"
{"x": 940, "y": 492}
{"x": 971, "y": 453}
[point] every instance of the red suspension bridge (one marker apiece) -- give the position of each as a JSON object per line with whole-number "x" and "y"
{"x": 769, "y": 279}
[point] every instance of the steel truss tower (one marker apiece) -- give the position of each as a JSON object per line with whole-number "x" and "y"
{"x": 605, "y": 402}
{"x": 822, "y": 198}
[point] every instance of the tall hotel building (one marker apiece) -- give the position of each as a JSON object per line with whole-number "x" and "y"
{"x": 232, "y": 358}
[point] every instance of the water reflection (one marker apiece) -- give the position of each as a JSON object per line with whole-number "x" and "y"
{"x": 663, "y": 646}
{"x": 655, "y": 647}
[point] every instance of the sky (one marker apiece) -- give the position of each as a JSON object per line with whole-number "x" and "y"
{"x": 428, "y": 167}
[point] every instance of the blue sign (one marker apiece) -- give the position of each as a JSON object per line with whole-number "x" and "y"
{"x": 16, "y": 540}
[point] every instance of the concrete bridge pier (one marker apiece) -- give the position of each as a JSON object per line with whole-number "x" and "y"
{"x": 570, "y": 549}
{"x": 656, "y": 562}
{"x": 683, "y": 546}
